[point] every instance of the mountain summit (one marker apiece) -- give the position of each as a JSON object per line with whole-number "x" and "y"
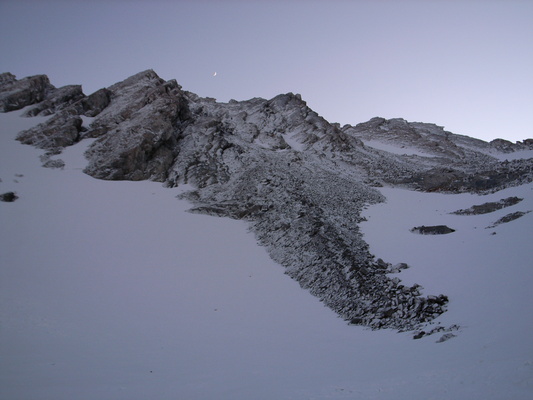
{"x": 300, "y": 181}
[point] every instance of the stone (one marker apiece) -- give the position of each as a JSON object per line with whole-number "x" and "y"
{"x": 445, "y": 337}
{"x": 59, "y": 131}
{"x": 95, "y": 103}
{"x": 7, "y": 78}
{"x": 489, "y": 207}
{"x": 508, "y": 218}
{"x": 17, "y": 94}
{"x": 145, "y": 113}
{"x": 432, "y": 230}
{"x": 47, "y": 162}
{"x": 56, "y": 100}
{"x": 398, "y": 268}
{"x": 8, "y": 197}
{"x": 419, "y": 335}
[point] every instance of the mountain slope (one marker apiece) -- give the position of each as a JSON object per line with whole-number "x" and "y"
{"x": 110, "y": 290}
{"x": 300, "y": 181}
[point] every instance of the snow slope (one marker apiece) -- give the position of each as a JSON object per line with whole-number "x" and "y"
{"x": 111, "y": 290}
{"x": 395, "y": 149}
{"x": 514, "y": 156}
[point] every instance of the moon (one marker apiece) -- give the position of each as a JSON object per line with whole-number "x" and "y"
{"x": 215, "y": 74}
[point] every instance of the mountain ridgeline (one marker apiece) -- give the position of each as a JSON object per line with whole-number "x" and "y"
{"x": 299, "y": 181}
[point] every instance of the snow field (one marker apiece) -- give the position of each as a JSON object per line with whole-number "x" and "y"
{"x": 111, "y": 290}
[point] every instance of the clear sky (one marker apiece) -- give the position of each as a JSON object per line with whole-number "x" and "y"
{"x": 465, "y": 65}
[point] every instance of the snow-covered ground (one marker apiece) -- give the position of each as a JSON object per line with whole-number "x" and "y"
{"x": 517, "y": 155}
{"x": 395, "y": 148}
{"x": 111, "y": 290}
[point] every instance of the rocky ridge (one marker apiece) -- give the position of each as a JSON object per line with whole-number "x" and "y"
{"x": 489, "y": 207}
{"x": 300, "y": 181}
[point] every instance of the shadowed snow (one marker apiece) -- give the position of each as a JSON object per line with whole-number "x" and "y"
{"x": 110, "y": 290}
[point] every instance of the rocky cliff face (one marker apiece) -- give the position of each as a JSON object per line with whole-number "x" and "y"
{"x": 298, "y": 180}
{"x": 16, "y": 94}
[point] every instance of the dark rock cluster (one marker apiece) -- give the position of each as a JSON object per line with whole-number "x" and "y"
{"x": 61, "y": 130}
{"x": 16, "y": 94}
{"x": 508, "y": 218}
{"x": 489, "y": 207}
{"x": 432, "y": 230}
{"x": 8, "y": 197}
{"x": 440, "y": 161}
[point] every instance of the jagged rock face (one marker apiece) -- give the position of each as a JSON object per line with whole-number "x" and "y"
{"x": 7, "y": 79}
{"x": 505, "y": 146}
{"x": 61, "y": 130}
{"x": 436, "y": 146}
{"x": 56, "y": 100}
{"x": 298, "y": 180}
{"x": 16, "y": 94}
{"x": 443, "y": 161}
{"x": 94, "y": 104}
{"x": 138, "y": 131}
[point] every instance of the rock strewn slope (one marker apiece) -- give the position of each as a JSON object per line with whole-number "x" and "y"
{"x": 300, "y": 181}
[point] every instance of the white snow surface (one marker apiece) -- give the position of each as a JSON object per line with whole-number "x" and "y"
{"x": 111, "y": 290}
{"x": 517, "y": 155}
{"x": 395, "y": 148}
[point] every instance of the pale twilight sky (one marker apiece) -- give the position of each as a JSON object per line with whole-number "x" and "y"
{"x": 465, "y": 65}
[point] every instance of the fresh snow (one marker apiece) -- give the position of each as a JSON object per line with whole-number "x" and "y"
{"x": 395, "y": 149}
{"x": 111, "y": 290}
{"x": 517, "y": 155}
{"x": 292, "y": 141}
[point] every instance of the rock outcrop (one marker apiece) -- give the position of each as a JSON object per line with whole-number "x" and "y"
{"x": 56, "y": 100}
{"x": 508, "y": 218}
{"x": 138, "y": 133}
{"x": 16, "y": 94}
{"x": 489, "y": 207}
{"x": 425, "y": 157}
{"x": 61, "y": 130}
{"x": 8, "y": 197}
{"x": 432, "y": 230}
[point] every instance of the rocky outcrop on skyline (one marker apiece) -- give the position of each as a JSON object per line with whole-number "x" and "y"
{"x": 16, "y": 94}
{"x": 300, "y": 181}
